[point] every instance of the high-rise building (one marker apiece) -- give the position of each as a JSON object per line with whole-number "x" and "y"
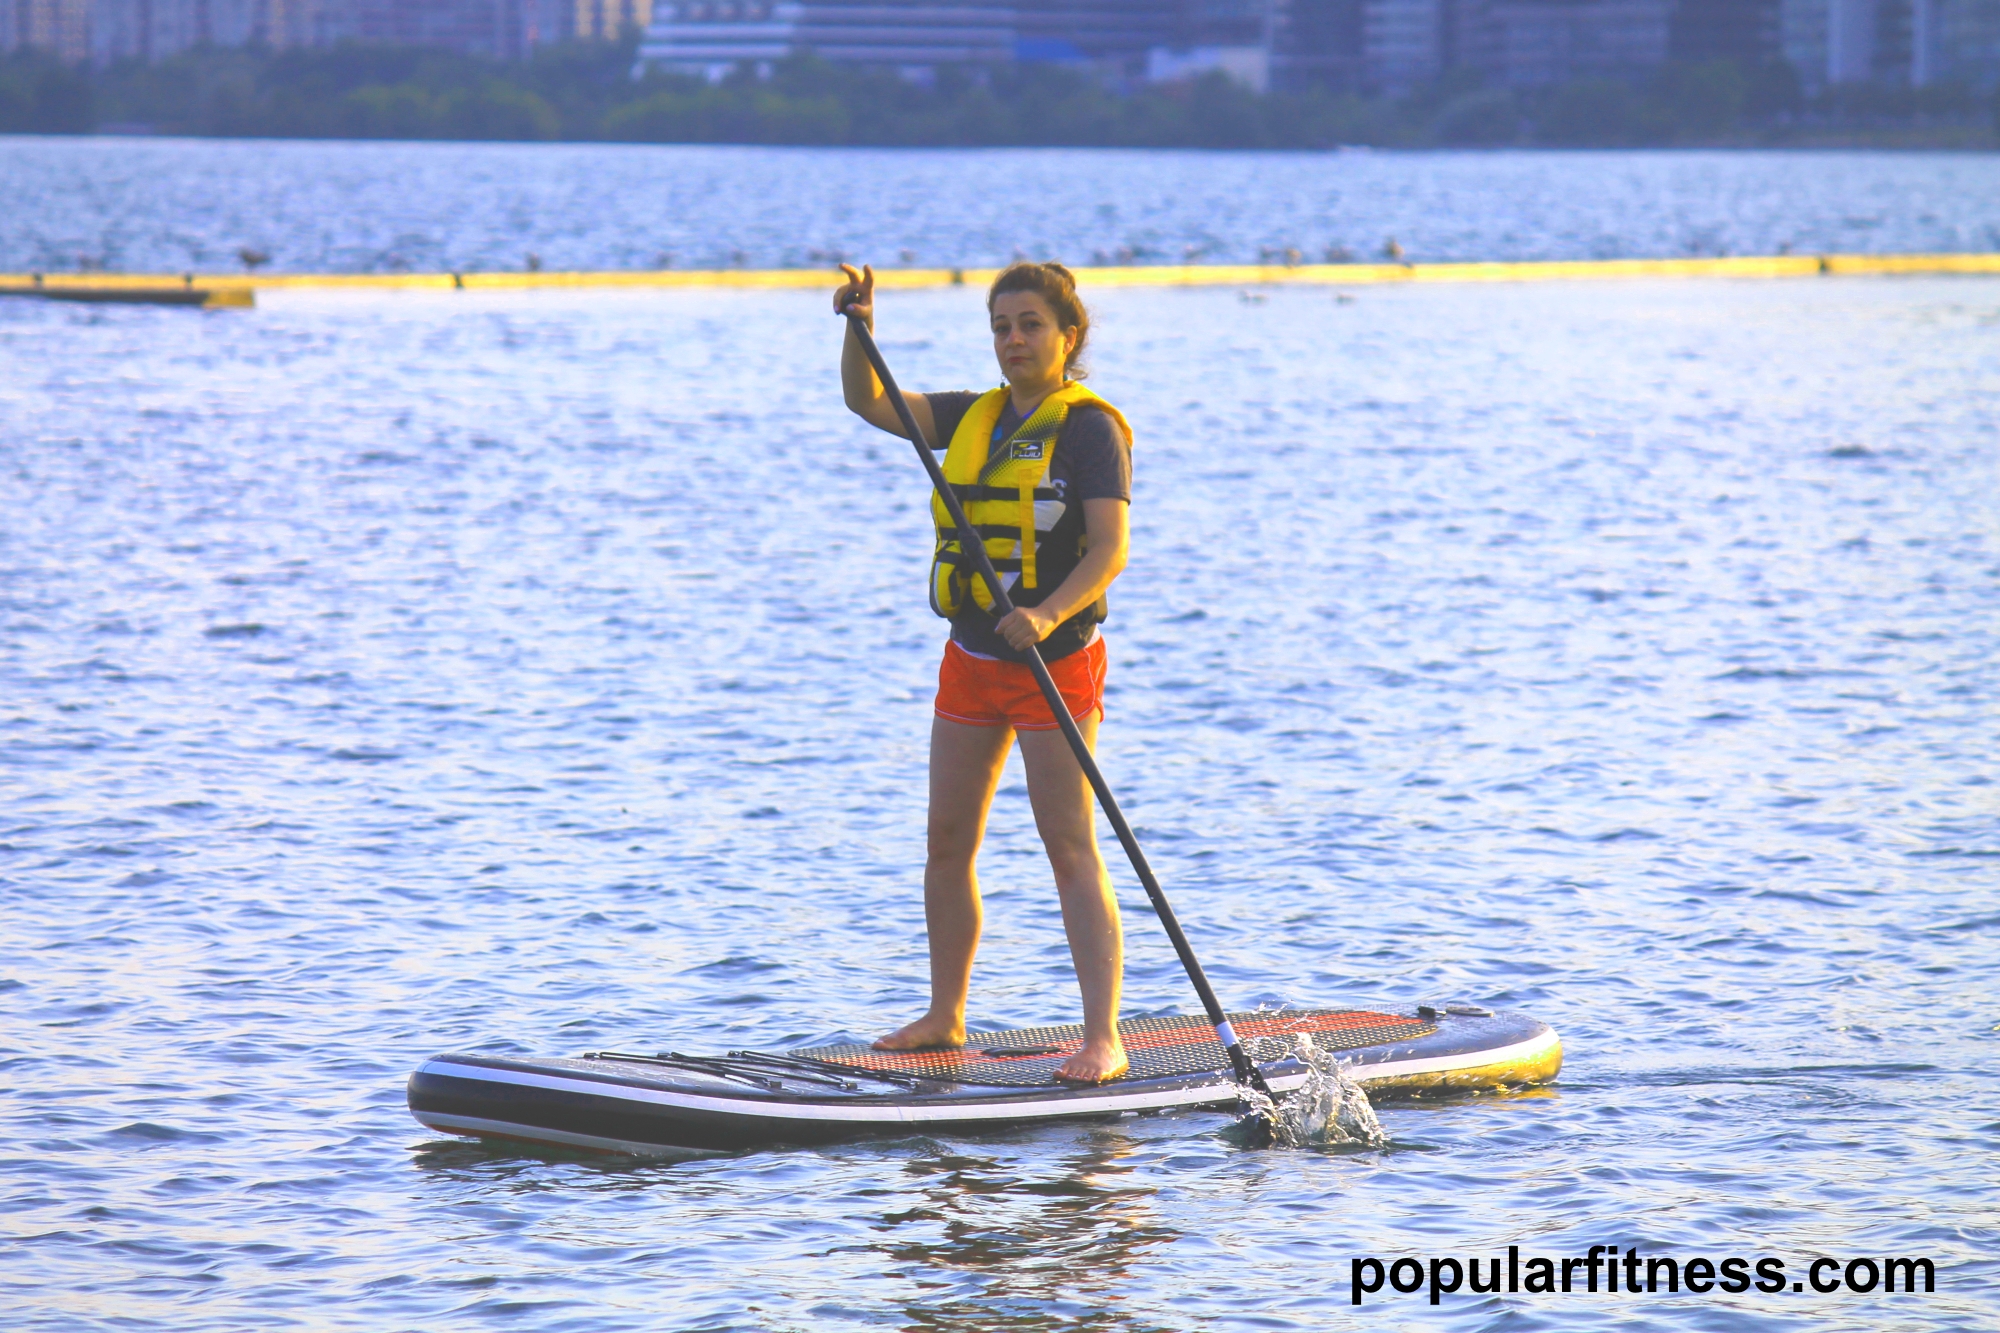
{"x": 491, "y": 28}
{"x": 60, "y": 27}
{"x": 713, "y": 37}
{"x": 1746, "y": 31}
{"x": 1527, "y": 43}
{"x": 107, "y": 30}
{"x": 1389, "y": 46}
{"x": 1222, "y": 22}
{"x": 1512, "y": 43}
{"x": 1963, "y": 45}
{"x": 1321, "y": 42}
{"x": 1235, "y": 38}
{"x": 154, "y": 29}
{"x": 1113, "y": 35}
{"x": 1403, "y": 43}
{"x": 917, "y": 36}
{"x": 605, "y": 20}
{"x": 1912, "y": 42}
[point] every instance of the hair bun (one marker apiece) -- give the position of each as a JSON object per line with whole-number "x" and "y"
{"x": 1053, "y": 267}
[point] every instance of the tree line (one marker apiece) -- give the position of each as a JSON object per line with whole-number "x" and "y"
{"x": 585, "y": 91}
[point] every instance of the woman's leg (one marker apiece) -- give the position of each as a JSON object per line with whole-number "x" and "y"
{"x": 1065, "y": 813}
{"x": 965, "y": 769}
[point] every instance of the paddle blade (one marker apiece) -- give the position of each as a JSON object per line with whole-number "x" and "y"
{"x": 1257, "y": 1121}
{"x": 1328, "y": 1110}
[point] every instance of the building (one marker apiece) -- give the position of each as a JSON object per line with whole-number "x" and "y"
{"x": 153, "y": 29}
{"x": 1403, "y": 44}
{"x": 606, "y": 20}
{"x": 1532, "y": 43}
{"x": 1393, "y": 47}
{"x": 108, "y": 30}
{"x": 1408, "y": 44}
{"x": 492, "y": 28}
{"x": 1913, "y": 43}
{"x": 1511, "y": 43}
{"x": 1745, "y": 31}
{"x": 60, "y": 27}
{"x": 1234, "y": 38}
{"x": 713, "y": 37}
{"x": 1321, "y": 42}
{"x": 1113, "y": 35}
{"x": 1966, "y": 47}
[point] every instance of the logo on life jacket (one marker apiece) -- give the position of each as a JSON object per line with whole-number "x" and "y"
{"x": 1004, "y": 487}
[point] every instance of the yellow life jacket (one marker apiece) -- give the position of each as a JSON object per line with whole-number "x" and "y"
{"x": 1001, "y": 485}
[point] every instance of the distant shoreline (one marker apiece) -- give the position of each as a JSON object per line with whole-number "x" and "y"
{"x": 1968, "y": 142}
{"x": 587, "y": 93}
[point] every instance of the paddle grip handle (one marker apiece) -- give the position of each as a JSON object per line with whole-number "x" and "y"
{"x": 1239, "y": 1060}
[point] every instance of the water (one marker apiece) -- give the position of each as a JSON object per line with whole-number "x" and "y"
{"x": 1328, "y": 1110}
{"x": 544, "y": 672}
{"x": 164, "y": 205}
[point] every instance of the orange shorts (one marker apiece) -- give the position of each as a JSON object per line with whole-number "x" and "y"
{"x": 980, "y": 692}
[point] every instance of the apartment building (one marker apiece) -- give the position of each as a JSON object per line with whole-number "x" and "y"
{"x": 1373, "y": 46}
{"x": 61, "y": 27}
{"x": 1907, "y": 42}
{"x": 108, "y": 30}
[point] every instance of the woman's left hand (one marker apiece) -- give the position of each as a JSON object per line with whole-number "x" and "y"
{"x": 1025, "y": 626}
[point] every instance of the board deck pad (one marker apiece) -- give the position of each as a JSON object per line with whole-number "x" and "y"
{"x": 1157, "y": 1047}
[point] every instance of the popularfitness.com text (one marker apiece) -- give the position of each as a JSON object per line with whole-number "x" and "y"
{"x": 1605, "y": 1270}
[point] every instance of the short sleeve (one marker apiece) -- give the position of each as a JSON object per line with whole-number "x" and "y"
{"x": 947, "y": 410}
{"x": 1094, "y": 453}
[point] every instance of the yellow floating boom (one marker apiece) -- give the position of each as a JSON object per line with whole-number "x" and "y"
{"x": 234, "y": 288}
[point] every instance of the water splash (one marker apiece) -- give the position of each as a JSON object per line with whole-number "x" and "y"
{"x": 1328, "y": 1110}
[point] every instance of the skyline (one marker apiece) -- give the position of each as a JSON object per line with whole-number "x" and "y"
{"x": 1372, "y": 47}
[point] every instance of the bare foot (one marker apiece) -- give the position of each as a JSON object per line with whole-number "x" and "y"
{"x": 928, "y": 1033}
{"x": 1097, "y": 1062}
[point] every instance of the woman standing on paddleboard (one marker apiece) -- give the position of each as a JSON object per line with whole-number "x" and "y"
{"x": 1044, "y": 469}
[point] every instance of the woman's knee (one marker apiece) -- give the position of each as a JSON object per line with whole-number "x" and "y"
{"x": 1075, "y": 861}
{"x": 953, "y": 839}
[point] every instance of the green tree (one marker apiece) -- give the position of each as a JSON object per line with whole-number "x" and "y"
{"x": 1222, "y": 113}
{"x": 41, "y": 95}
{"x": 1483, "y": 118}
{"x": 1591, "y": 113}
{"x": 1706, "y": 100}
{"x": 389, "y": 111}
{"x": 496, "y": 109}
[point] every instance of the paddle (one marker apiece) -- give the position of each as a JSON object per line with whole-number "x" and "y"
{"x": 1246, "y": 1069}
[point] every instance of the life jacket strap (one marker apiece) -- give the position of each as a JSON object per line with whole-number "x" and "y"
{"x": 1002, "y": 564}
{"x": 1030, "y": 538}
{"x": 971, "y": 491}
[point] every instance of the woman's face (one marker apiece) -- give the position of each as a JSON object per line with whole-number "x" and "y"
{"x": 1031, "y": 346}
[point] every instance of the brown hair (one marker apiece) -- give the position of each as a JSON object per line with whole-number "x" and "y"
{"x": 1057, "y": 286}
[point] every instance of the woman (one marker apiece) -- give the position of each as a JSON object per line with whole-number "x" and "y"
{"x": 1044, "y": 468}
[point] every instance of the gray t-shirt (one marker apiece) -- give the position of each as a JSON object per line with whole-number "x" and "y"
{"x": 1092, "y": 462}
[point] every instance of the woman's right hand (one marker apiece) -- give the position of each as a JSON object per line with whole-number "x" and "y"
{"x": 857, "y": 295}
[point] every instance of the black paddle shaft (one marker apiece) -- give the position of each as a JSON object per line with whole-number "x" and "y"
{"x": 968, "y": 536}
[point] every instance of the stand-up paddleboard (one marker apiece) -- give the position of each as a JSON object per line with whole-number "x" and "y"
{"x": 676, "y": 1104}
{"x": 670, "y": 1104}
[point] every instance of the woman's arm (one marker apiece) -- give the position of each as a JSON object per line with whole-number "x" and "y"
{"x": 865, "y": 395}
{"x": 1108, "y": 525}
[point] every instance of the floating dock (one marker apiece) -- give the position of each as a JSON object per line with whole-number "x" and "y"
{"x": 130, "y": 289}
{"x": 237, "y": 289}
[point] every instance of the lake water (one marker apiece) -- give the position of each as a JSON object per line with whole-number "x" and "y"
{"x": 164, "y": 205}
{"x": 539, "y": 672}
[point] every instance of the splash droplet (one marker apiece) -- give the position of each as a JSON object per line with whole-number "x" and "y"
{"x": 1328, "y": 1110}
